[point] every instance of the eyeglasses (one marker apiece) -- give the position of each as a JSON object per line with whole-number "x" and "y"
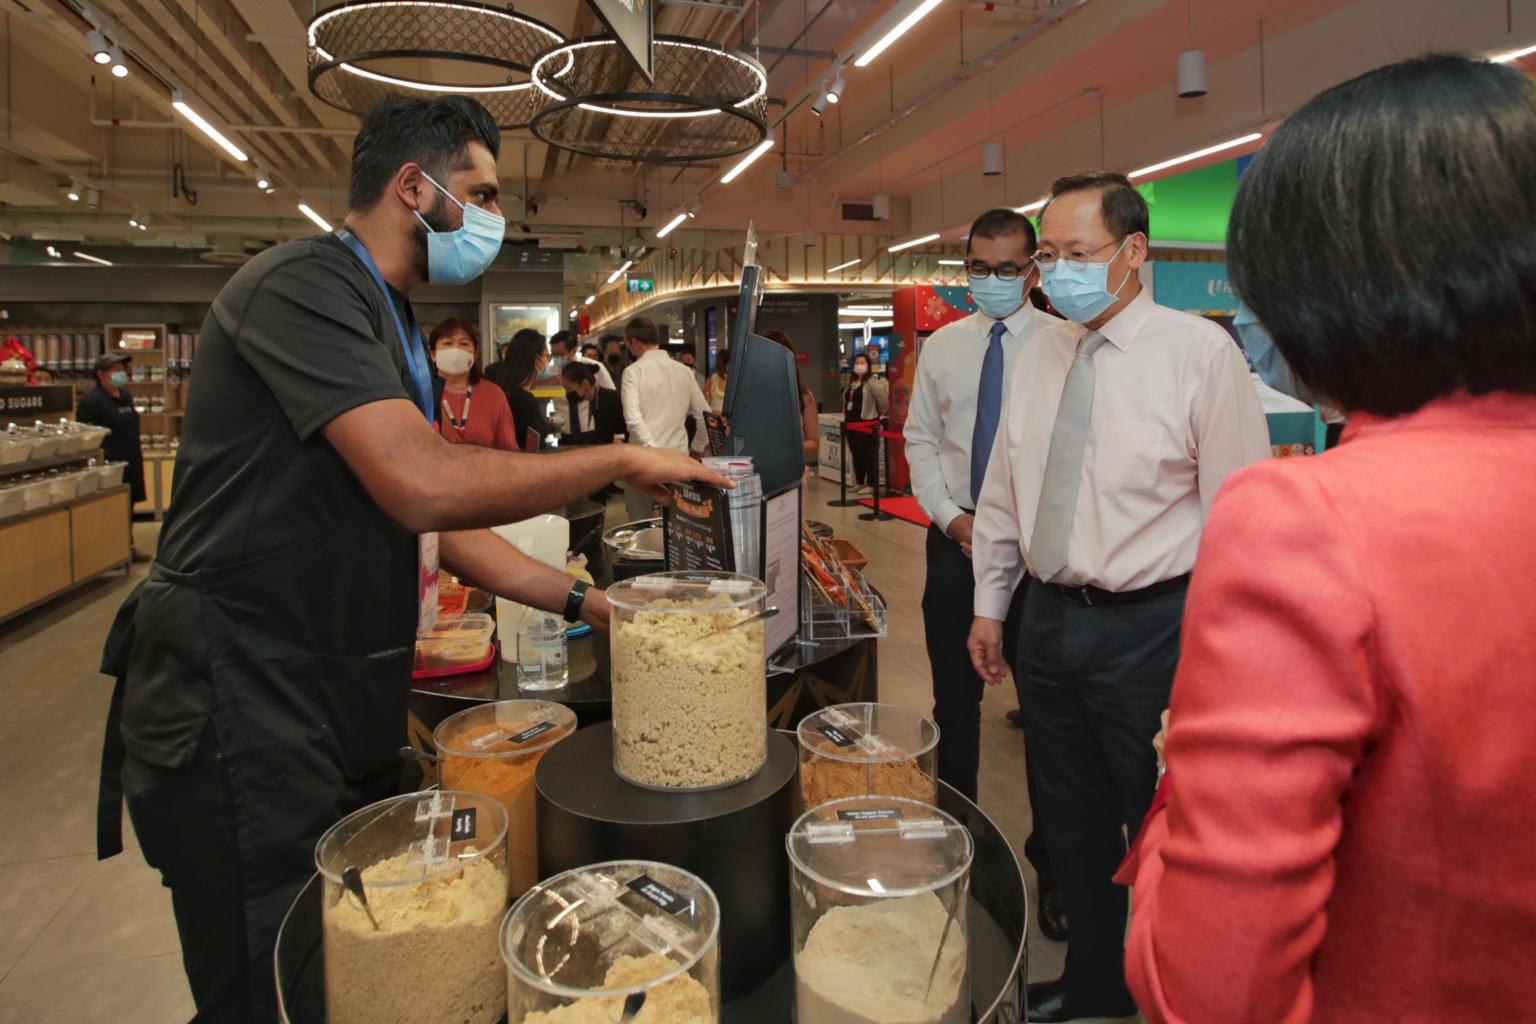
{"x": 1007, "y": 272}
{"x": 1077, "y": 258}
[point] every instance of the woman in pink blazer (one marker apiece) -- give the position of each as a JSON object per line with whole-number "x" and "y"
{"x": 1349, "y": 829}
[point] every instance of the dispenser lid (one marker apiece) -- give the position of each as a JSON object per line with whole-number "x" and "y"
{"x": 867, "y": 733}
{"x": 880, "y": 846}
{"x": 438, "y": 831}
{"x": 503, "y": 728}
{"x": 687, "y": 591}
{"x": 565, "y": 933}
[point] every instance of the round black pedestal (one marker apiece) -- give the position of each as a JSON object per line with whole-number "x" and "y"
{"x": 733, "y": 838}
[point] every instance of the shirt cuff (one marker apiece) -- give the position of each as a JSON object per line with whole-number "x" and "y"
{"x": 947, "y": 513}
{"x": 993, "y": 604}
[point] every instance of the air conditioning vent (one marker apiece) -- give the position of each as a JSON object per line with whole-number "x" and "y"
{"x": 859, "y": 211}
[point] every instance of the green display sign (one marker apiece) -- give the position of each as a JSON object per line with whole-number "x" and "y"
{"x": 1194, "y": 206}
{"x": 641, "y": 284}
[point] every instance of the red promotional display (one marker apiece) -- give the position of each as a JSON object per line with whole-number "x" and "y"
{"x": 918, "y": 312}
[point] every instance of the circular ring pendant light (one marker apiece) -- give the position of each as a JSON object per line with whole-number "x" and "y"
{"x": 362, "y": 51}
{"x": 706, "y": 102}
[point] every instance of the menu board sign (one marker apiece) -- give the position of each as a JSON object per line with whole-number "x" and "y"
{"x": 698, "y": 529}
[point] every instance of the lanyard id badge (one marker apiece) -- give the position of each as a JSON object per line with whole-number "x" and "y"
{"x": 427, "y": 561}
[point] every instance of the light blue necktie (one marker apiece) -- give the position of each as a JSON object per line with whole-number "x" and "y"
{"x": 989, "y": 409}
{"x": 1052, "y": 535}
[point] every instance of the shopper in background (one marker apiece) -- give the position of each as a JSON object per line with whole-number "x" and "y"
{"x": 714, "y": 387}
{"x": 659, "y": 395}
{"x": 527, "y": 357}
{"x": 110, "y": 405}
{"x": 810, "y": 427}
{"x": 562, "y": 350}
{"x": 957, "y": 402}
{"x": 866, "y": 401}
{"x": 591, "y": 353}
{"x": 471, "y": 413}
{"x": 596, "y": 413}
{"x": 1115, "y": 438}
{"x": 264, "y": 666}
{"x": 493, "y": 369}
{"x": 614, "y": 356}
{"x": 1347, "y": 836}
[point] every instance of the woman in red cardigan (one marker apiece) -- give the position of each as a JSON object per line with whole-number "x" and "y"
{"x": 470, "y": 411}
{"x": 1350, "y": 824}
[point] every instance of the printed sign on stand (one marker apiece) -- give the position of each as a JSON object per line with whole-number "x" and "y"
{"x": 698, "y": 530}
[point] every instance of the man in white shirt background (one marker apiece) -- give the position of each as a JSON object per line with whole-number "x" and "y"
{"x": 562, "y": 350}
{"x": 956, "y": 405}
{"x": 659, "y": 395}
{"x": 1113, "y": 443}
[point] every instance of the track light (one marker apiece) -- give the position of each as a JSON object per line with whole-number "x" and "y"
{"x": 52, "y": 252}
{"x": 835, "y": 90}
{"x": 93, "y": 198}
{"x": 263, "y": 181}
{"x": 119, "y": 62}
{"x": 133, "y": 222}
{"x": 73, "y": 191}
{"x": 98, "y": 44}
{"x": 185, "y": 110}
{"x": 881, "y": 205}
{"x": 819, "y": 104}
{"x": 319, "y": 221}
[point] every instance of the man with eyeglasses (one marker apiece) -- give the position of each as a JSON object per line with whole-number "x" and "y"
{"x": 1118, "y": 432}
{"x": 956, "y": 406}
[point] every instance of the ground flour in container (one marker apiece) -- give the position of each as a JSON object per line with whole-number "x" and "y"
{"x": 688, "y": 713}
{"x": 827, "y": 778}
{"x": 435, "y": 956}
{"x": 680, "y": 1001}
{"x": 869, "y": 965}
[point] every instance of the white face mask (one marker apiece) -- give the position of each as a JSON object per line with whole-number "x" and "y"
{"x": 453, "y": 361}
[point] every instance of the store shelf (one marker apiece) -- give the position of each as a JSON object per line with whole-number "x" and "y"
{"x": 53, "y": 550}
{"x": 49, "y": 462}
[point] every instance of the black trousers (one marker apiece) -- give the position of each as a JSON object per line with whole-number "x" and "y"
{"x": 1093, "y": 682}
{"x": 948, "y": 607}
{"x": 228, "y": 892}
{"x": 863, "y": 451}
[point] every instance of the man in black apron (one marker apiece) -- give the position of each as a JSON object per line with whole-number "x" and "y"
{"x": 264, "y": 666}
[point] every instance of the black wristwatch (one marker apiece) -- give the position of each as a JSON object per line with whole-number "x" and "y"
{"x": 575, "y": 599}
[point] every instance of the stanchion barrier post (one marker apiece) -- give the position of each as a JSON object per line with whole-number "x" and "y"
{"x": 842, "y": 500}
{"x": 877, "y": 515}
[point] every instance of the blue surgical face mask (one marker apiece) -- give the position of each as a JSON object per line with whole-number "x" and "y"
{"x": 996, "y": 298}
{"x": 118, "y": 378}
{"x": 557, "y": 363}
{"x": 458, "y": 257}
{"x": 1080, "y": 291}
{"x": 1267, "y": 361}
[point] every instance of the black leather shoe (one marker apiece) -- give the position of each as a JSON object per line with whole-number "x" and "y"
{"x": 1048, "y": 1003}
{"x": 1052, "y": 916}
{"x": 1016, "y": 718}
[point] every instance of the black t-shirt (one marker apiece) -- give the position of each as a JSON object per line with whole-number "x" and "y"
{"x": 282, "y": 590}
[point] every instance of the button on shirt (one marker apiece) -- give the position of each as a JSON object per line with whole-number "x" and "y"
{"x": 659, "y": 395}
{"x": 942, "y": 416}
{"x": 1174, "y": 414}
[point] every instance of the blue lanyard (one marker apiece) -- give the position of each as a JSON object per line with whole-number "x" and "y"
{"x": 421, "y": 381}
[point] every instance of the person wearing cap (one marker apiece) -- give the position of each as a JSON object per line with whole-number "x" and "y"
{"x": 110, "y": 405}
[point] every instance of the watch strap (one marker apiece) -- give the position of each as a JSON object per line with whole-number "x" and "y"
{"x": 575, "y": 599}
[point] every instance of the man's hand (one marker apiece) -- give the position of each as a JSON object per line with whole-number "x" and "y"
{"x": 986, "y": 646}
{"x": 595, "y": 609}
{"x": 652, "y": 468}
{"x": 961, "y": 530}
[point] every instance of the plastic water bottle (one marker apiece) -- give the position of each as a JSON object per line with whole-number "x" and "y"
{"x": 542, "y": 662}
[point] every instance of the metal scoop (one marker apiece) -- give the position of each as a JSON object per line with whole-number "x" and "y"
{"x": 766, "y": 613}
{"x": 352, "y": 878}
{"x": 954, "y": 909}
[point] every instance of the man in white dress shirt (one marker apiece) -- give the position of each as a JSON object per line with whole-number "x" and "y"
{"x": 562, "y": 350}
{"x": 1115, "y": 438}
{"x": 659, "y": 394}
{"x": 955, "y": 409}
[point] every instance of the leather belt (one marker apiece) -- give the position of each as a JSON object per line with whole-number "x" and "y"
{"x": 1094, "y": 596}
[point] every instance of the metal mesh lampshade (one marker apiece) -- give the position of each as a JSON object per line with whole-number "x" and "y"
{"x": 706, "y": 102}
{"x": 361, "y": 52}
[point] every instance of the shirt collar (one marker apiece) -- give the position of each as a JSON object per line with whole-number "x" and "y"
{"x": 658, "y": 352}
{"x": 1015, "y": 321}
{"x": 1126, "y": 324}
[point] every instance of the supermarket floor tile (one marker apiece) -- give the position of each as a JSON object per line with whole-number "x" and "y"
{"x": 149, "y": 990}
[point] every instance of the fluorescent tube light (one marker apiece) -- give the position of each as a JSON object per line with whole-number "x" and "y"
{"x": 92, "y": 259}
{"x": 1505, "y": 58}
{"x": 951, "y": 263}
{"x": 844, "y": 266}
{"x": 589, "y": 300}
{"x": 746, "y": 161}
{"x": 916, "y": 241}
{"x": 1038, "y": 204}
{"x": 185, "y": 110}
{"x": 320, "y": 222}
{"x": 918, "y": 13}
{"x": 620, "y": 272}
{"x": 1197, "y": 154}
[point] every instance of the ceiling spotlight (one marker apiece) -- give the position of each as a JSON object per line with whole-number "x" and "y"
{"x": 93, "y": 198}
{"x": 1191, "y": 74}
{"x": 119, "y": 63}
{"x": 819, "y": 104}
{"x": 133, "y": 222}
{"x": 263, "y": 180}
{"x": 72, "y": 191}
{"x": 52, "y": 252}
{"x": 98, "y": 44}
{"x": 269, "y": 190}
{"x": 835, "y": 91}
{"x": 881, "y": 204}
{"x": 991, "y": 159}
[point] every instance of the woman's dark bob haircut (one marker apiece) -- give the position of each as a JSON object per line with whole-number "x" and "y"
{"x": 1386, "y": 236}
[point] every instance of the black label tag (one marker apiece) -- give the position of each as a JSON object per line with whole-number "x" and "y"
{"x": 530, "y": 732}
{"x": 669, "y": 901}
{"x": 463, "y": 825}
{"x": 872, "y": 814}
{"x": 838, "y": 736}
